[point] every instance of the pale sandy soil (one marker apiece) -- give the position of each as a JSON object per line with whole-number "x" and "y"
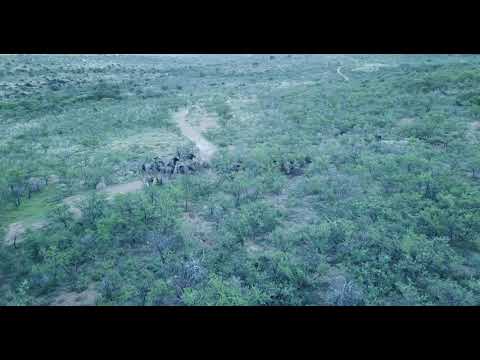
{"x": 123, "y": 188}
{"x": 194, "y": 132}
{"x": 475, "y": 125}
{"x": 406, "y": 121}
{"x": 84, "y": 298}
{"x": 370, "y": 67}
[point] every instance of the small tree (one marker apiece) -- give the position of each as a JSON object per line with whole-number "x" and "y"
{"x": 21, "y": 296}
{"x": 252, "y": 220}
{"x": 188, "y": 189}
{"x": 17, "y": 185}
{"x": 221, "y": 292}
{"x": 93, "y": 208}
{"x": 160, "y": 293}
{"x": 62, "y": 214}
{"x": 239, "y": 186}
{"x": 54, "y": 261}
{"x": 342, "y": 291}
{"x": 111, "y": 285}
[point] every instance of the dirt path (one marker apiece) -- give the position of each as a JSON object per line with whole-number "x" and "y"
{"x": 194, "y": 133}
{"x": 126, "y": 188}
{"x": 341, "y": 74}
{"x": 372, "y": 67}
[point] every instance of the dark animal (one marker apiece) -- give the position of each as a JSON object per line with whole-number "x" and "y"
{"x": 146, "y": 167}
{"x": 181, "y": 169}
{"x": 34, "y": 185}
{"x": 183, "y": 162}
{"x": 291, "y": 167}
{"x": 159, "y": 165}
{"x": 170, "y": 168}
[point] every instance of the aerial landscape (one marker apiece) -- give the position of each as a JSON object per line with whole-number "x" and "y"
{"x": 236, "y": 179}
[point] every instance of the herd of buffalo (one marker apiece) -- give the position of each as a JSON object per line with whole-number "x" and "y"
{"x": 159, "y": 171}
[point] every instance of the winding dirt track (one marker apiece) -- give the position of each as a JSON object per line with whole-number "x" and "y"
{"x": 341, "y": 74}
{"x": 194, "y": 133}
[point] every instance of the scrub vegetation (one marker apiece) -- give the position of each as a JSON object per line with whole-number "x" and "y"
{"x": 239, "y": 180}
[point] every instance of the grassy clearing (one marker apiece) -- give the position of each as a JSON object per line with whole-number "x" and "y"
{"x": 31, "y": 210}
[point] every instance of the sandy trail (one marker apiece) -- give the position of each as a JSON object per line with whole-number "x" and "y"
{"x": 123, "y": 188}
{"x": 341, "y": 74}
{"x": 194, "y": 133}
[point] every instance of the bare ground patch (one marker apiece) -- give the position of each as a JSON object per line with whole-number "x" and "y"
{"x": 371, "y": 67}
{"x": 72, "y": 203}
{"x": 254, "y": 249}
{"x": 112, "y": 190}
{"x": 198, "y": 228}
{"x": 16, "y": 230}
{"x": 286, "y": 201}
{"x": 407, "y": 121}
{"x": 126, "y": 188}
{"x": 87, "y": 297}
{"x": 475, "y": 125}
{"x": 288, "y": 84}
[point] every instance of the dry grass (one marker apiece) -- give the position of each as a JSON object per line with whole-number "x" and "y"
{"x": 254, "y": 249}
{"x": 158, "y": 141}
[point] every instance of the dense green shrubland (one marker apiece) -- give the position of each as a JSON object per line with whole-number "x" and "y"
{"x": 363, "y": 192}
